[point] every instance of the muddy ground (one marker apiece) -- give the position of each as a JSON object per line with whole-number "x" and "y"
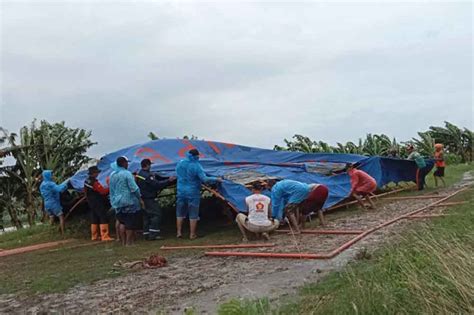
{"x": 205, "y": 282}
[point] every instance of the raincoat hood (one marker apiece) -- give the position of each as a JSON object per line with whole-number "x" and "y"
{"x": 191, "y": 157}
{"x": 47, "y": 175}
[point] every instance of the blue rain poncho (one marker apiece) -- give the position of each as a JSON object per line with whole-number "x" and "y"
{"x": 285, "y": 192}
{"x": 190, "y": 177}
{"x": 51, "y": 192}
{"x": 124, "y": 191}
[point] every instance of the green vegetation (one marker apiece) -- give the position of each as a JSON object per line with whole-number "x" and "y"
{"x": 429, "y": 270}
{"x": 37, "y": 147}
{"x": 458, "y": 144}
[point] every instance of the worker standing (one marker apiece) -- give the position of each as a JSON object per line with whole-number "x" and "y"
{"x": 125, "y": 199}
{"x": 422, "y": 169}
{"x": 362, "y": 185}
{"x": 96, "y": 196}
{"x": 150, "y": 187}
{"x": 191, "y": 176}
{"x": 440, "y": 164}
{"x": 51, "y": 193}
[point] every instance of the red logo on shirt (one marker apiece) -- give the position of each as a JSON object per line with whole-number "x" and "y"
{"x": 259, "y": 206}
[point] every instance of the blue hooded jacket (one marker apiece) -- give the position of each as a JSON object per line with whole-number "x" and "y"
{"x": 190, "y": 177}
{"x": 285, "y": 192}
{"x": 124, "y": 190}
{"x": 50, "y": 191}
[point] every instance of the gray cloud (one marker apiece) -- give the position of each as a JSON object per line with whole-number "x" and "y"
{"x": 240, "y": 72}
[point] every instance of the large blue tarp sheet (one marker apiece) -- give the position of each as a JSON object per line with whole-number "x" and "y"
{"x": 241, "y": 164}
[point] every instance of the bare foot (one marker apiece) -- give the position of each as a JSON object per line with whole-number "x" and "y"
{"x": 266, "y": 236}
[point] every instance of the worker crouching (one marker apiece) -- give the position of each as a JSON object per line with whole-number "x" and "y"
{"x": 96, "y": 196}
{"x": 258, "y": 220}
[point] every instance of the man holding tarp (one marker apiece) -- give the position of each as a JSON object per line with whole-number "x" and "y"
{"x": 125, "y": 199}
{"x": 190, "y": 178}
{"x": 422, "y": 169}
{"x": 292, "y": 198}
{"x": 150, "y": 187}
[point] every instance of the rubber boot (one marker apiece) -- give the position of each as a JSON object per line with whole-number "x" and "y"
{"x": 95, "y": 236}
{"x": 104, "y": 232}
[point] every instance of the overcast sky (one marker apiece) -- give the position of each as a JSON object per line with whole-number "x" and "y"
{"x": 236, "y": 72}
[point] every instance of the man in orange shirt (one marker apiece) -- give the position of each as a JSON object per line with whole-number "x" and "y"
{"x": 362, "y": 185}
{"x": 440, "y": 164}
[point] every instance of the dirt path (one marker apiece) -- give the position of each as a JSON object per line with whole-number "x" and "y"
{"x": 204, "y": 282}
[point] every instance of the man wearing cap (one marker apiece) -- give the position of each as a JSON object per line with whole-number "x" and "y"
{"x": 125, "y": 199}
{"x": 150, "y": 187}
{"x": 96, "y": 198}
{"x": 191, "y": 176}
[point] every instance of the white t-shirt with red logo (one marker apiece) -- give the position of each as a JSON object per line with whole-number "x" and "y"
{"x": 258, "y": 206}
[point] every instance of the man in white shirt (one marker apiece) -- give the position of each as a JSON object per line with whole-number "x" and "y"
{"x": 259, "y": 219}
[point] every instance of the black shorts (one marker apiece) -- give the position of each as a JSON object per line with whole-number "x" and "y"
{"x": 439, "y": 172}
{"x": 132, "y": 221}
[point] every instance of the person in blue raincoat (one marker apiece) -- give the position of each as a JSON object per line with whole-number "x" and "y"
{"x": 293, "y": 198}
{"x": 125, "y": 199}
{"x": 51, "y": 193}
{"x": 190, "y": 176}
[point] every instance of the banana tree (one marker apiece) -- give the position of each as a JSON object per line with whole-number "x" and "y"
{"x": 424, "y": 145}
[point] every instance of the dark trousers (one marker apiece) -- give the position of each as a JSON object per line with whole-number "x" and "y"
{"x": 99, "y": 215}
{"x": 151, "y": 218}
{"x": 420, "y": 177}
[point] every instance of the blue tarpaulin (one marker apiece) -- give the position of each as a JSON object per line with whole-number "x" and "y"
{"x": 241, "y": 164}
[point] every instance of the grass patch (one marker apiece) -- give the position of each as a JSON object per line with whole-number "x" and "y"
{"x": 58, "y": 269}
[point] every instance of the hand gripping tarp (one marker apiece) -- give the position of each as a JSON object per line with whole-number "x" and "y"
{"x": 240, "y": 165}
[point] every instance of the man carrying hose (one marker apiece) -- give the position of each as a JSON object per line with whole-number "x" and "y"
{"x": 292, "y": 198}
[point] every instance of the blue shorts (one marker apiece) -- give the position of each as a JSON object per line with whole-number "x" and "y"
{"x": 188, "y": 207}
{"x": 54, "y": 213}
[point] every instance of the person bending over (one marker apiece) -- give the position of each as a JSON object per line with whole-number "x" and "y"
{"x": 422, "y": 168}
{"x": 290, "y": 198}
{"x": 125, "y": 199}
{"x": 258, "y": 221}
{"x": 51, "y": 193}
{"x": 314, "y": 203}
{"x": 362, "y": 185}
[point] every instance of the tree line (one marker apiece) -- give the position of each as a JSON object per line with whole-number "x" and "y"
{"x": 458, "y": 144}
{"x": 55, "y": 146}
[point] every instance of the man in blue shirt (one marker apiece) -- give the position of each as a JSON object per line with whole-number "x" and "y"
{"x": 125, "y": 199}
{"x": 51, "y": 193}
{"x": 190, "y": 178}
{"x": 292, "y": 198}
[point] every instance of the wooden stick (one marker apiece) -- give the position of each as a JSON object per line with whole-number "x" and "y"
{"x": 425, "y": 216}
{"x": 217, "y": 246}
{"x": 336, "y": 232}
{"x": 445, "y": 204}
{"x": 414, "y": 197}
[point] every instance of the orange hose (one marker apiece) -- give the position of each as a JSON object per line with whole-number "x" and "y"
{"x": 217, "y": 246}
